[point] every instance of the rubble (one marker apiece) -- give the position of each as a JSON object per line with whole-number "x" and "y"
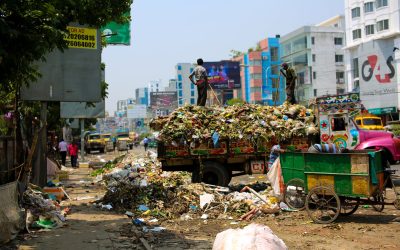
{"x": 250, "y": 121}
{"x": 138, "y": 187}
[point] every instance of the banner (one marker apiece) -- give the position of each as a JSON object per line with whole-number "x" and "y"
{"x": 163, "y": 99}
{"x": 223, "y": 74}
{"x": 117, "y": 33}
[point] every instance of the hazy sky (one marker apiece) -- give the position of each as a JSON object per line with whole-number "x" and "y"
{"x": 167, "y": 32}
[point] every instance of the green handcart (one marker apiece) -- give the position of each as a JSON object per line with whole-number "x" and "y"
{"x": 329, "y": 185}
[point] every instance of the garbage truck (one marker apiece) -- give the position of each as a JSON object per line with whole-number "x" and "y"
{"x": 218, "y": 164}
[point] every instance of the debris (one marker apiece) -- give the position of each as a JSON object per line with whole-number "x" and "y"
{"x": 145, "y": 243}
{"x": 206, "y": 199}
{"x": 253, "y": 236}
{"x": 204, "y": 216}
{"x": 108, "y": 206}
{"x": 143, "y": 208}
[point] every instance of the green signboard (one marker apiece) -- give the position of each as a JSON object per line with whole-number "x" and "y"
{"x": 382, "y": 111}
{"x": 117, "y": 33}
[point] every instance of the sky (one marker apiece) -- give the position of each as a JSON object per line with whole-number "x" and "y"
{"x": 167, "y": 32}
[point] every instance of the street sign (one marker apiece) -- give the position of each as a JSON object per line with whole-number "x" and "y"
{"x": 382, "y": 111}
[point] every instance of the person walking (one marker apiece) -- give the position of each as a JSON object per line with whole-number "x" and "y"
{"x": 291, "y": 77}
{"x": 73, "y": 153}
{"x": 201, "y": 81}
{"x": 145, "y": 143}
{"x": 63, "y": 147}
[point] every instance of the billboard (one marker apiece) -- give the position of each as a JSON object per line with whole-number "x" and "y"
{"x": 163, "y": 99}
{"x": 378, "y": 76}
{"x": 223, "y": 74}
{"x": 82, "y": 110}
{"x": 136, "y": 111}
{"x": 73, "y": 75}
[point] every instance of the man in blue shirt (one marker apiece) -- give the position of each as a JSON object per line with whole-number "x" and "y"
{"x": 145, "y": 143}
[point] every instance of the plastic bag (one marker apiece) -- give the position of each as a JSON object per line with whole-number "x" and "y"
{"x": 275, "y": 177}
{"x": 254, "y": 236}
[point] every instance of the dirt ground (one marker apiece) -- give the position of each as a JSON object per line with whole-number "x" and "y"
{"x": 92, "y": 228}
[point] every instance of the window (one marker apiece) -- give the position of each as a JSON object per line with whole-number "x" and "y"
{"x": 314, "y": 75}
{"x": 255, "y": 63}
{"x": 180, "y": 101}
{"x": 339, "y": 58}
{"x": 179, "y": 67}
{"x": 179, "y": 85}
{"x": 369, "y": 29}
{"x": 338, "y": 41}
{"x": 355, "y": 12}
{"x": 192, "y": 92}
{"x": 368, "y": 7}
{"x": 382, "y": 25}
{"x": 340, "y": 91}
{"x": 191, "y": 70}
{"x": 179, "y": 77}
{"x": 356, "y": 34}
{"x": 338, "y": 124}
{"x": 274, "y": 54}
{"x": 275, "y": 70}
{"x": 313, "y": 57}
{"x": 275, "y": 83}
{"x": 340, "y": 77}
{"x": 300, "y": 78}
{"x": 356, "y": 72}
{"x": 381, "y": 3}
{"x": 180, "y": 93}
{"x": 358, "y": 122}
{"x": 192, "y": 101}
{"x": 192, "y": 86}
{"x": 255, "y": 76}
{"x": 312, "y": 40}
{"x": 315, "y": 92}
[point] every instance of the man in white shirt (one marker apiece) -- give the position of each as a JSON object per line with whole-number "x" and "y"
{"x": 200, "y": 75}
{"x": 63, "y": 147}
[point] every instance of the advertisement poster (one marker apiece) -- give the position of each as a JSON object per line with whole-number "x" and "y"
{"x": 167, "y": 99}
{"x": 223, "y": 74}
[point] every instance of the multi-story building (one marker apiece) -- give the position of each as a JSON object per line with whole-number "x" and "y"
{"x": 155, "y": 86}
{"x": 372, "y": 46}
{"x": 187, "y": 92}
{"x": 316, "y": 53}
{"x": 122, "y": 105}
{"x": 142, "y": 96}
{"x": 259, "y": 72}
{"x": 172, "y": 85}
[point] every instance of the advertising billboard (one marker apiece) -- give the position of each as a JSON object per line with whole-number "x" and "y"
{"x": 137, "y": 111}
{"x": 163, "y": 99}
{"x": 378, "y": 76}
{"x": 223, "y": 74}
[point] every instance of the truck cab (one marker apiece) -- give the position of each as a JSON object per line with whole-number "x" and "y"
{"x": 94, "y": 141}
{"x": 337, "y": 123}
{"x": 369, "y": 121}
{"x": 123, "y": 141}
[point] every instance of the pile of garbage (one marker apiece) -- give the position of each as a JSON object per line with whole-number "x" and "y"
{"x": 248, "y": 121}
{"x": 139, "y": 186}
{"x": 42, "y": 211}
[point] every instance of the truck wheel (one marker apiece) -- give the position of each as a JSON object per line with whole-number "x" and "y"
{"x": 215, "y": 173}
{"x": 102, "y": 151}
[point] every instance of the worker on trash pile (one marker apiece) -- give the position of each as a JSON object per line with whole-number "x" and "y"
{"x": 73, "y": 153}
{"x": 327, "y": 148}
{"x": 290, "y": 76}
{"x": 201, "y": 81}
{"x": 275, "y": 152}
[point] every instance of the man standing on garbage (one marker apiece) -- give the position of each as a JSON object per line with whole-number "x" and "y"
{"x": 290, "y": 76}
{"x": 201, "y": 81}
{"x": 63, "y": 147}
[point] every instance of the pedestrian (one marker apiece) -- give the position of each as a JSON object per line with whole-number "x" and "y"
{"x": 290, "y": 76}
{"x": 275, "y": 152}
{"x": 201, "y": 81}
{"x": 63, "y": 147}
{"x": 73, "y": 153}
{"x": 145, "y": 143}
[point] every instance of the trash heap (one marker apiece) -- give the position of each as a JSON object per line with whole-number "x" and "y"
{"x": 138, "y": 186}
{"x": 248, "y": 121}
{"x": 42, "y": 211}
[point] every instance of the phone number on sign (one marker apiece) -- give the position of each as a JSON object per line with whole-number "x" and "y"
{"x": 81, "y": 44}
{"x": 80, "y": 37}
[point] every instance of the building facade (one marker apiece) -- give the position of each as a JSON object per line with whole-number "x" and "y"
{"x": 142, "y": 96}
{"x": 372, "y": 49}
{"x": 316, "y": 54}
{"x": 187, "y": 91}
{"x": 259, "y": 73}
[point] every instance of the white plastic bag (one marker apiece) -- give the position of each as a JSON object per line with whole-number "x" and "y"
{"x": 275, "y": 177}
{"x": 251, "y": 237}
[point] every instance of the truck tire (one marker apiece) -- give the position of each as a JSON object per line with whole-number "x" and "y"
{"x": 215, "y": 173}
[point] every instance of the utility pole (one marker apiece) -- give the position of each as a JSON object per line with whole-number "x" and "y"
{"x": 82, "y": 139}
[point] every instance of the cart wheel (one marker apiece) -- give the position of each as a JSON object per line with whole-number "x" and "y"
{"x": 348, "y": 206}
{"x": 323, "y": 205}
{"x": 379, "y": 202}
{"x": 295, "y": 196}
{"x": 396, "y": 204}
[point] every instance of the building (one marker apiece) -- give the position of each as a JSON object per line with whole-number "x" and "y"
{"x": 187, "y": 92}
{"x": 155, "y": 86}
{"x": 372, "y": 61}
{"x": 260, "y": 79}
{"x": 316, "y": 53}
{"x": 172, "y": 85}
{"x": 122, "y": 106}
{"x": 142, "y": 96}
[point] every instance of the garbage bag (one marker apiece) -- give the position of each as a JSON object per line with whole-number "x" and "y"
{"x": 253, "y": 236}
{"x": 275, "y": 177}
